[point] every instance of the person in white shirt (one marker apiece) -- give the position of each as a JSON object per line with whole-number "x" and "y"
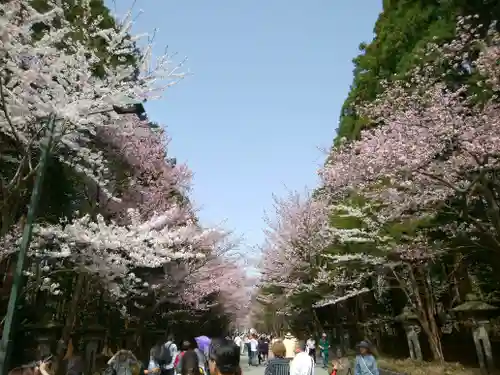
{"x": 311, "y": 348}
{"x": 169, "y": 368}
{"x": 302, "y": 364}
{"x": 238, "y": 341}
{"x": 246, "y": 341}
{"x": 252, "y": 358}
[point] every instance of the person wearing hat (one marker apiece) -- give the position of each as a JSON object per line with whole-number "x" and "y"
{"x": 324, "y": 348}
{"x": 365, "y": 363}
{"x": 291, "y": 344}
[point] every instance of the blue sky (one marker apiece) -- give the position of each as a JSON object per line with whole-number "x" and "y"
{"x": 269, "y": 79}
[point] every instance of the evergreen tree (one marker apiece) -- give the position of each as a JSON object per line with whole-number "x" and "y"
{"x": 402, "y": 29}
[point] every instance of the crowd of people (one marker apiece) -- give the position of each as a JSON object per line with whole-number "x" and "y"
{"x": 256, "y": 347}
{"x": 204, "y": 356}
{"x": 285, "y": 356}
{"x": 214, "y": 357}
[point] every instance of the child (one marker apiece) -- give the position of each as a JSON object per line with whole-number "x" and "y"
{"x": 341, "y": 364}
{"x": 334, "y": 368}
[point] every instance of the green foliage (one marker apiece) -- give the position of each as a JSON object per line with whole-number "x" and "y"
{"x": 73, "y": 13}
{"x": 402, "y": 29}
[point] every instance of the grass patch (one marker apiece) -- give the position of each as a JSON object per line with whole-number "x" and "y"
{"x": 410, "y": 367}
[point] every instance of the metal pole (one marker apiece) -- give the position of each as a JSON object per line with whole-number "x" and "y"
{"x": 6, "y": 343}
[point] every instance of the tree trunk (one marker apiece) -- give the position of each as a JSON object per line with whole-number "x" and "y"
{"x": 69, "y": 324}
{"x": 435, "y": 338}
{"x": 426, "y": 311}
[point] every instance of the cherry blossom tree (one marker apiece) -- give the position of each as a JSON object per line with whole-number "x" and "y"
{"x": 153, "y": 182}
{"x": 434, "y": 150}
{"x": 435, "y": 142}
{"x": 356, "y": 255}
{"x": 221, "y": 274}
{"x": 51, "y": 76}
{"x": 295, "y": 238}
{"x": 146, "y": 223}
{"x": 304, "y": 235}
{"x": 306, "y": 253}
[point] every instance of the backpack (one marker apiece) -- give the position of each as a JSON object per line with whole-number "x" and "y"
{"x": 163, "y": 354}
{"x": 178, "y": 362}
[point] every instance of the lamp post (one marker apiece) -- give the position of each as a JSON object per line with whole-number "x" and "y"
{"x": 5, "y": 344}
{"x": 134, "y": 107}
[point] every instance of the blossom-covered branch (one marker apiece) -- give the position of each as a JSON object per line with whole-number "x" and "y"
{"x": 51, "y": 74}
{"x": 434, "y": 141}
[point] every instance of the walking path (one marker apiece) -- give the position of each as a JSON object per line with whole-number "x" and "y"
{"x": 259, "y": 370}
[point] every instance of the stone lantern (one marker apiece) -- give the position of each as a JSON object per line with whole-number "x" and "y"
{"x": 412, "y": 330}
{"x": 45, "y": 336}
{"x": 334, "y": 333}
{"x": 93, "y": 336}
{"x": 475, "y": 312}
{"x": 346, "y": 340}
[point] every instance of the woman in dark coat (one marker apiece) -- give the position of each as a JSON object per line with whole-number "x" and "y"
{"x": 263, "y": 348}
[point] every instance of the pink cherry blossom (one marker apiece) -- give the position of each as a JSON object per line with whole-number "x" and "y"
{"x": 40, "y": 79}
{"x": 295, "y": 256}
{"x": 153, "y": 225}
{"x": 433, "y": 142}
{"x": 154, "y": 183}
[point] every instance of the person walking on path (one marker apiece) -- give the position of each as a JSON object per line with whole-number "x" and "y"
{"x": 170, "y": 354}
{"x": 122, "y": 362}
{"x": 254, "y": 346}
{"x": 311, "y": 348}
{"x": 302, "y": 364}
{"x": 188, "y": 361}
{"x": 263, "y": 348}
{"x": 164, "y": 356}
{"x": 324, "y": 347}
{"x": 202, "y": 360}
{"x": 247, "y": 344}
{"x": 224, "y": 358}
{"x": 278, "y": 365}
{"x": 341, "y": 364}
{"x": 290, "y": 343}
{"x": 365, "y": 363}
{"x": 177, "y": 361}
{"x": 239, "y": 343}
{"x": 272, "y": 340}
{"x": 153, "y": 365}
